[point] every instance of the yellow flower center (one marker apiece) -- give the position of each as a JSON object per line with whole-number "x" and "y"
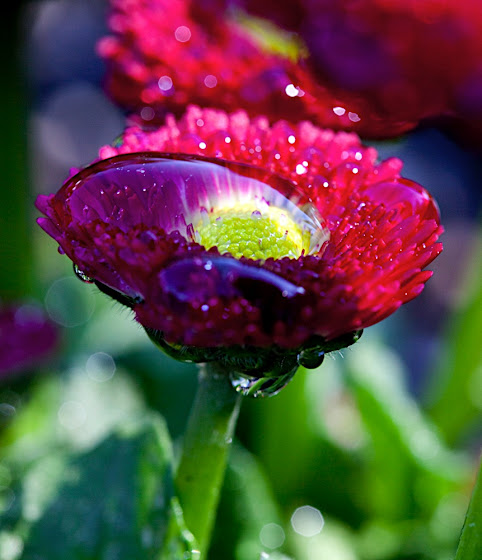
{"x": 254, "y": 233}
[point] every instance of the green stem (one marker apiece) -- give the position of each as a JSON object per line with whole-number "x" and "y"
{"x": 208, "y": 436}
{"x": 470, "y": 544}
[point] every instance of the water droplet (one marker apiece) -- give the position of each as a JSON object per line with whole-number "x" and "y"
{"x": 165, "y": 83}
{"x": 311, "y": 358}
{"x": 182, "y": 34}
{"x": 260, "y": 386}
{"x": 210, "y": 81}
{"x": 291, "y": 90}
{"x": 82, "y": 275}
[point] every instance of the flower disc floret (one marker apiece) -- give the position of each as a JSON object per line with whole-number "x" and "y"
{"x": 246, "y": 232}
{"x": 131, "y": 221}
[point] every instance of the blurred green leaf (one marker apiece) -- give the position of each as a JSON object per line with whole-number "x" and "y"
{"x": 332, "y": 541}
{"x": 71, "y": 410}
{"x": 304, "y": 463}
{"x": 16, "y": 203}
{"x": 114, "y": 501}
{"x": 470, "y": 545}
{"x": 409, "y": 470}
{"x": 456, "y": 401}
{"x": 167, "y": 385}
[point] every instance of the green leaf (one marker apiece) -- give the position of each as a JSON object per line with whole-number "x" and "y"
{"x": 114, "y": 501}
{"x": 409, "y": 470}
{"x": 470, "y": 545}
{"x": 456, "y": 394}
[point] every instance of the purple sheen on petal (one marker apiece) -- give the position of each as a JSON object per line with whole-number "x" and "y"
{"x": 192, "y": 283}
{"x": 167, "y": 190}
{"x": 403, "y": 192}
{"x": 200, "y": 278}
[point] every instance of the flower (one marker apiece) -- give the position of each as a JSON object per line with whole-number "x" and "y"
{"x": 27, "y": 338}
{"x": 413, "y": 60}
{"x": 223, "y": 232}
{"x": 163, "y": 54}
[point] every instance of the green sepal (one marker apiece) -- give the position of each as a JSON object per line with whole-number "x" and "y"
{"x": 256, "y": 362}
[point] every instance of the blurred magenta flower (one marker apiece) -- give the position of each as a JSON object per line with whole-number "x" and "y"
{"x": 407, "y": 59}
{"x": 371, "y": 66}
{"x": 223, "y": 231}
{"x": 163, "y": 54}
{"x": 27, "y": 339}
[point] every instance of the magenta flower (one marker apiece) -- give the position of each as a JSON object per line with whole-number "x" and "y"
{"x": 409, "y": 59}
{"x": 27, "y": 339}
{"x": 163, "y": 54}
{"x": 222, "y": 232}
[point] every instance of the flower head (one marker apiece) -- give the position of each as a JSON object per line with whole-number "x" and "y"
{"x": 225, "y": 232}
{"x": 163, "y": 54}
{"x": 27, "y": 337}
{"x": 410, "y": 59}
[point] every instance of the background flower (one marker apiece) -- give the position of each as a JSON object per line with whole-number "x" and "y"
{"x": 163, "y": 55}
{"x": 375, "y": 67}
{"x": 415, "y": 60}
{"x": 27, "y": 339}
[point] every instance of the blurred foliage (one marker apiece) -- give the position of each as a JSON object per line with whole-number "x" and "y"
{"x": 456, "y": 400}
{"x": 470, "y": 543}
{"x": 62, "y": 507}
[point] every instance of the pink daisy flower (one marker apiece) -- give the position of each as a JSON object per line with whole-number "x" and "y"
{"x": 227, "y": 236}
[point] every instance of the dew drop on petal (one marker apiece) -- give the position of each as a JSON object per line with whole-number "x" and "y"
{"x": 340, "y": 111}
{"x": 164, "y": 83}
{"x": 84, "y": 277}
{"x": 291, "y": 90}
{"x": 182, "y": 34}
{"x": 210, "y": 81}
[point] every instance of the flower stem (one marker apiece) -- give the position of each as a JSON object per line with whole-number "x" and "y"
{"x": 200, "y": 472}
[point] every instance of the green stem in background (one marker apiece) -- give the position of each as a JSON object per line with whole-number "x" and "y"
{"x": 208, "y": 436}
{"x": 470, "y": 544}
{"x": 16, "y": 270}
